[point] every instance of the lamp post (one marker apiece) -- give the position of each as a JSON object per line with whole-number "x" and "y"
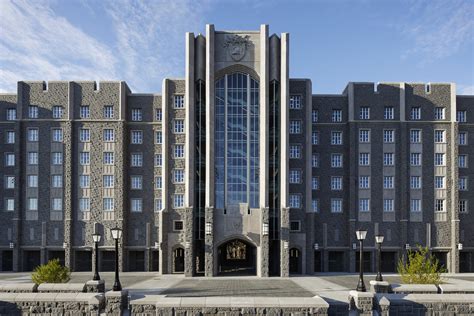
{"x": 361, "y": 234}
{"x": 96, "y": 238}
{"x": 116, "y": 234}
{"x": 379, "y": 241}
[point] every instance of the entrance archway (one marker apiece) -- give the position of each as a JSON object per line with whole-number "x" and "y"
{"x": 295, "y": 261}
{"x": 237, "y": 257}
{"x": 178, "y": 258}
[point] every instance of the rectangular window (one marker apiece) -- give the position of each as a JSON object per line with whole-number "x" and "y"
{"x": 158, "y": 205}
{"x": 9, "y": 182}
{"x": 158, "y": 160}
{"x": 388, "y": 182}
{"x": 364, "y": 136}
{"x": 336, "y": 160}
{"x": 158, "y": 115}
{"x": 178, "y": 201}
{"x": 108, "y": 111}
{"x": 462, "y": 206}
{"x": 137, "y": 115}
{"x": 108, "y": 181}
{"x": 364, "y": 182}
{"x": 336, "y": 138}
{"x": 33, "y": 112}
{"x": 84, "y": 135}
{"x": 179, "y": 101}
{"x": 388, "y": 136}
{"x": 57, "y": 135}
{"x": 315, "y": 116}
{"x": 295, "y": 200}
{"x": 136, "y": 182}
{"x": 315, "y": 161}
{"x": 178, "y": 225}
{"x": 11, "y": 114}
{"x": 32, "y": 204}
{"x": 364, "y": 113}
{"x": 388, "y": 159}
{"x": 295, "y": 102}
{"x": 10, "y": 137}
{"x": 33, "y": 158}
{"x": 57, "y": 204}
{"x": 364, "y": 159}
{"x": 315, "y": 205}
{"x": 439, "y": 159}
{"x": 57, "y": 112}
{"x": 415, "y": 159}
{"x": 136, "y": 160}
{"x": 84, "y": 204}
{"x": 415, "y": 205}
{"x": 463, "y": 183}
{"x": 415, "y": 182}
{"x": 84, "y": 181}
{"x": 9, "y": 204}
{"x": 158, "y": 137}
{"x": 178, "y": 151}
{"x": 57, "y": 181}
{"x": 415, "y": 114}
{"x": 336, "y": 116}
{"x": 109, "y": 135}
{"x": 32, "y": 181}
{"x": 388, "y": 205}
{"x": 178, "y": 126}
{"x": 388, "y": 113}
{"x": 84, "y": 112}
{"x": 178, "y": 175}
{"x": 108, "y": 204}
{"x": 136, "y": 205}
{"x": 57, "y": 158}
{"x": 158, "y": 183}
{"x": 33, "y": 134}
{"x": 9, "y": 160}
{"x": 108, "y": 158}
{"x": 439, "y": 182}
{"x": 315, "y": 183}
{"x": 84, "y": 158}
{"x": 462, "y": 161}
{"x": 295, "y": 176}
{"x": 439, "y": 113}
{"x": 336, "y": 205}
{"x": 336, "y": 183}
{"x": 461, "y": 116}
{"x": 295, "y": 127}
{"x": 315, "y": 138}
{"x": 439, "y": 205}
{"x": 295, "y": 152}
{"x": 295, "y": 226}
{"x": 137, "y": 137}
{"x": 415, "y": 136}
{"x": 440, "y": 136}
{"x": 462, "y": 138}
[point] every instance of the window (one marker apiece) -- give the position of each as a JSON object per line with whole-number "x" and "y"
{"x": 57, "y": 181}
{"x": 178, "y": 175}
{"x": 364, "y": 159}
{"x": 9, "y": 160}
{"x": 158, "y": 205}
{"x": 388, "y": 205}
{"x": 108, "y": 204}
{"x": 109, "y": 135}
{"x": 336, "y": 138}
{"x": 461, "y": 116}
{"x": 32, "y": 204}
{"x": 315, "y": 138}
{"x": 388, "y": 113}
{"x": 439, "y": 136}
{"x": 315, "y": 183}
{"x": 33, "y": 134}
{"x": 136, "y": 182}
{"x": 388, "y": 159}
{"x": 336, "y": 205}
{"x": 295, "y": 176}
{"x": 178, "y": 151}
{"x": 295, "y": 102}
{"x": 415, "y": 159}
{"x": 32, "y": 181}
{"x": 439, "y": 182}
{"x": 315, "y": 116}
{"x": 11, "y": 114}
{"x": 336, "y": 183}
{"x": 364, "y": 182}
{"x": 84, "y": 135}
{"x": 415, "y": 113}
{"x": 158, "y": 183}
{"x": 108, "y": 181}
{"x": 9, "y": 204}
{"x": 9, "y": 182}
{"x": 57, "y": 204}
{"x": 415, "y": 205}
{"x": 364, "y": 113}
{"x": 57, "y": 158}
{"x": 158, "y": 137}
{"x": 295, "y": 127}
{"x": 136, "y": 205}
{"x": 57, "y": 112}
{"x": 84, "y": 181}
{"x": 137, "y": 115}
{"x": 136, "y": 160}
{"x": 295, "y": 200}
{"x": 462, "y": 138}
{"x": 33, "y": 158}
{"x": 295, "y": 151}
{"x": 415, "y": 136}
{"x": 388, "y": 135}
{"x": 108, "y": 158}
{"x": 315, "y": 205}
{"x": 137, "y": 137}
{"x": 57, "y": 135}
{"x": 388, "y": 182}
{"x": 158, "y": 115}
{"x": 108, "y": 111}
{"x": 178, "y": 225}
{"x": 84, "y": 158}
{"x": 415, "y": 182}
{"x": 178, "y": 200}
{"x": 84, "y": 204}
{"x": 84, "y": 112}
{"x": 462, "y": 183}
{"x": 462, "y": 161}
{"x": 364, "y": 136}
{"x": 295, "y": 226}
{"x": 10, "y": 137}
{"x": 179, "y": 101}
{"x": 158, "y": 160}
{"x": 462, "y": 206}
{"x": 315, "y": 161}
{"x": 439, "y": 159}
{"x": 439, "y": 113}
{"x": 178, "y": 126}
{"x": 33, "y": 112}
{"x": 439, "y": 205}
{"x": 336, "y": 116}
{"x": 336, "y": 160}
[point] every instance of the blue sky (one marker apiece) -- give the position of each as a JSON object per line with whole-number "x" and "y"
{"x": 331, "y": 42}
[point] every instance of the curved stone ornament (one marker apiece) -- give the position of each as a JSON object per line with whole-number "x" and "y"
{"x": 236, "y": 46}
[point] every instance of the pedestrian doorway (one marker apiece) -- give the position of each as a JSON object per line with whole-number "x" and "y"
{"x": 295, "y": 261}
{"x": 178, "y": 257}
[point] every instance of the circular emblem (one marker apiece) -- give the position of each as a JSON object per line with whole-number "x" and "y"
{"x": 236, "y": 46}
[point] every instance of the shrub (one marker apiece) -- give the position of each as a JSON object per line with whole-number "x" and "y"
{"x": 420, "y": 268}
{"x": 52, "y": 272}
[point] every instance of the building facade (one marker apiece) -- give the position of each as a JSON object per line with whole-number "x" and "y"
{"x": 235, "y": 169}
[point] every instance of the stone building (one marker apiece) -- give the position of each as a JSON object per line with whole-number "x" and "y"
{"x": 235, "y": 169}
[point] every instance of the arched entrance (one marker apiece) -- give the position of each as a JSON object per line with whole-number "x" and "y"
{"x": 295, "y": 261}
{"x": 237, "y": 257}
{"x": 178, "y": 258}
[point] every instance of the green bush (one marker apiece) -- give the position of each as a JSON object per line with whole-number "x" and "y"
{"x": 420, "y": 268}
{"x": 52, "y": 272}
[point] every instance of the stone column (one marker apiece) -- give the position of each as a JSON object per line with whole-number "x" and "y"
{"x": 69, "y": 153}
{"x": 453, "y": 191}
{"x": 264, "y": 243}
{"x": 209, "y": 269}
{"x": 188, "y": 242}
{"x": 285, "y": 242}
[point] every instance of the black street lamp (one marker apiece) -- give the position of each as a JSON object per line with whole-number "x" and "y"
{"x": 361, "y": 234}
{"x": 116, "y": 234}
{"x": 96, "y": 238}
{"x": 379, "y": 241}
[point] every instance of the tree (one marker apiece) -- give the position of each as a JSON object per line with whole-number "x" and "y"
{"x": 421, "y": 267}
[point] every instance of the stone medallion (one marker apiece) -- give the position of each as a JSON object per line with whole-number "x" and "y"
{"x": 236, "y": 46}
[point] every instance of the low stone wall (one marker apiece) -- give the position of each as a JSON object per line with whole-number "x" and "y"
{"x": 18, "y": 288}
{"x": 116, "y": 302}
{"x": 61, "y": 288}
{"x": 414, "y": 288}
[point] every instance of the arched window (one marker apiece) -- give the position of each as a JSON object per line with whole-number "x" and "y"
{"x": 236, "y": 140}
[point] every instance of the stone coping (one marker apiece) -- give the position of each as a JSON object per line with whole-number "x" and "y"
{"x": 427, "y": 298}
{"x": 414, "y": 288}
{"x": 90, "y": 298}
{"x": 61, "y": 287}
{"x": 456, "y": 288}
{"x": 18, "y": 287}
{"x": 355, "y": 293}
